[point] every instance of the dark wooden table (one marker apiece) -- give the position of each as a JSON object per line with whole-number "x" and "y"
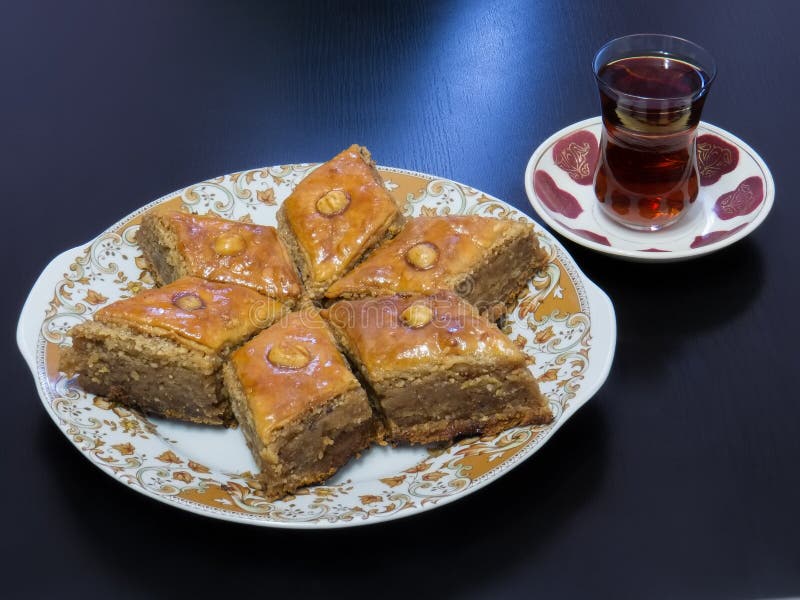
{"x": 679, "y": 479}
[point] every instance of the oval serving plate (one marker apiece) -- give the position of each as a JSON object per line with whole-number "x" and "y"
{"x": 563, "y": 320}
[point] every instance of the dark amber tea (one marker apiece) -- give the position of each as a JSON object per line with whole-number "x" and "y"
{"x": 651, "y": 105}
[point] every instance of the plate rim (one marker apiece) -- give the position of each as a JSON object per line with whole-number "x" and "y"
{"x": 28, "y": 333}
{"x": 639, "y": 255}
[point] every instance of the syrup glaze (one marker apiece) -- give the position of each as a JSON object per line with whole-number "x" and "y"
{"x": 277, "y": 384}
{"x": 461, "y": 243}
{"x": 214, "y": 315}
{"x": 334, "y": 240}
{"x": 234, "y": 252}
{"x": 386, "y": 341}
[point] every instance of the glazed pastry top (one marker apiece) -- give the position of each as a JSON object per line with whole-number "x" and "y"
{"x": 337, "y": 211}
{"x": 400, "y": 333}
{"x": 232, "y": 252}
{"x": 289, "y": 367}
{"x": 430, "y": 253}
{"x": 212, "y": 315}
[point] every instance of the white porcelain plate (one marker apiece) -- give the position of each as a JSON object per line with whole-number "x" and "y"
{"x": 563, "y": 320}
{"x": 736, "y": 195}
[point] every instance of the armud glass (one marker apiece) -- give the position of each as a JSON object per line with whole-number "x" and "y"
{"x": 652, "y": 90}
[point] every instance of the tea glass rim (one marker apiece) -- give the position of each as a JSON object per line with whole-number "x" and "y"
{"x": 711, "y": 71}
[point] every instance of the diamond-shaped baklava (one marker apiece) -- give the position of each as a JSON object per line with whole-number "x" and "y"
{"x": 437, "y": 369}
{"x": 335, "y": 215}
{"x": 162, "y": 350}
{"x": 302, "y": 411}
{"x": 178, "y": 244}
{"x": 485, "y": 260}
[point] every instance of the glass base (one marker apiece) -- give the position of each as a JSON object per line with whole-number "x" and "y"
{"x": 639, "y": 226}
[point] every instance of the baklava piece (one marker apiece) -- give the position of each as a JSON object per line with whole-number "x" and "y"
{"x": 162, "y": 350}
{"x": 178, "y": 244}
{"x": 437, "y": 368}
{"x": 486, "y": 261}
{"x": 302, "y": 411}
{"x": 335, "y": 215}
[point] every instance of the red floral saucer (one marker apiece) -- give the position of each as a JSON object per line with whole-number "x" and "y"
{"x": 736, "y": 195}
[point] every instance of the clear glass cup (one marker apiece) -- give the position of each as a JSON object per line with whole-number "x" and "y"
{"x": 652, "y": 91}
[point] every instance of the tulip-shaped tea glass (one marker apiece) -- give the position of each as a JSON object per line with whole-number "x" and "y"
{"x": 652, "y": 90}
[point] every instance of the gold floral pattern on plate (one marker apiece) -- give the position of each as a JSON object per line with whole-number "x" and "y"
{"x": 563, "y": 321}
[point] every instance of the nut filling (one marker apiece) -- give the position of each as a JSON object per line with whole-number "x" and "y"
{"x": 422, "y": 256}
{"x": 416, "y": 316}
{"x": 229, "y": 244}
{"x": 188, "y": 301}
{"x": 333, "y": 203}
{"x": 286, "y": 355}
